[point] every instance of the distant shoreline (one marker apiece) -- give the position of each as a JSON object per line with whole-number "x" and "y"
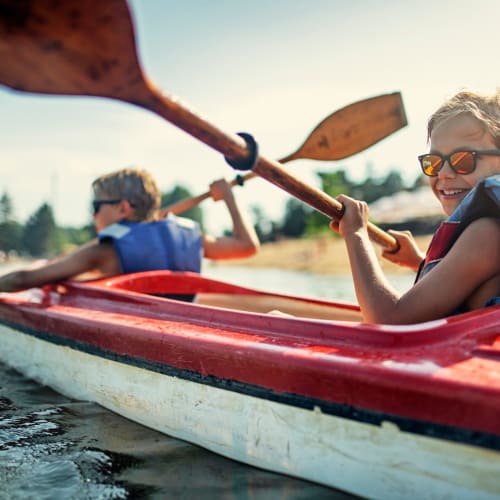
{"x": 322, "y": 255}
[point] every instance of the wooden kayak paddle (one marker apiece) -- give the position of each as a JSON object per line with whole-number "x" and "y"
{"x": 341, "y": 134}
{"x": 87, "y": 47}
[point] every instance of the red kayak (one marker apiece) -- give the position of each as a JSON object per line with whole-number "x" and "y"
{"x": 380, "y": 411}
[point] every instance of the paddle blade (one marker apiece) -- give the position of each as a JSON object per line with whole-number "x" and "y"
{"x": 354, "y": 128}
{"x": 72, "y": 47}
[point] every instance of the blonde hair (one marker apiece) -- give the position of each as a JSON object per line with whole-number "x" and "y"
{"x": 484, "y": 108}
{"x": 135, "y": 185}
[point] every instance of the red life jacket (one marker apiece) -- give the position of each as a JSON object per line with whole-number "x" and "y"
{"x": 482, "y": 201}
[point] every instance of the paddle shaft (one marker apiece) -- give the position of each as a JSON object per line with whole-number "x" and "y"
{"x": 341, "y": 134}
{"x": 234, "y": 147}
{"x": 188, "y": 203}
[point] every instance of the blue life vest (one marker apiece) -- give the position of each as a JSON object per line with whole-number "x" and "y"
{"x": 482, "y": 201}
{"x": 173, "y": 243}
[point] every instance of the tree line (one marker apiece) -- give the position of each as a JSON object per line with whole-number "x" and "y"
{"x": 300, "y": 220}
{"x": 40, "y": 236}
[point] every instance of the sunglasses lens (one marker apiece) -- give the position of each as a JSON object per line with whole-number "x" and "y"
{"x": 463, "y": 162}
{"x": 431, "y": 164}
{"x": 97, "y": 204}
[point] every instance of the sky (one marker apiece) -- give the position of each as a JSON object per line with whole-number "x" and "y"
{"x": 273, "y": 68}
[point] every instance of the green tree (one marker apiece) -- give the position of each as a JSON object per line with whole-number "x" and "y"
{"x": 333, "y": 184}
{"x": 294, "y": 222}
{"x": 369, "y": 190}
{"x": 266, "y": 230}
{"x": 316, "y": 223}
{"x": 372, "y": 189}
{"x": 41, "y": 236}
{"x": 74, "y": 237}
{"x": 11, "y": 236}
{"x": 179, "y": 193}
{"x": 6, "y": 207}
{"x": 393, "y": 183}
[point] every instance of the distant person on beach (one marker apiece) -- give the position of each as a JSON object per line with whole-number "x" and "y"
{"x": 461, "y": 270}
{"x": 130, "y": 239}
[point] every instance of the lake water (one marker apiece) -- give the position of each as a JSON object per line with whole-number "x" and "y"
{"x": 306, "y": 284}
{"x": 53, "y": 448}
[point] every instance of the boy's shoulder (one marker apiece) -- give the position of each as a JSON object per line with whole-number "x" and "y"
{"x": 481, "y": 238}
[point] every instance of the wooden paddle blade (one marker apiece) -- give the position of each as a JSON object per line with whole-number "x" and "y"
{"x": 72, "y": 47}
{"x": 354, "y": 128}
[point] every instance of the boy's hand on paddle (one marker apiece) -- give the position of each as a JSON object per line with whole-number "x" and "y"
{"x": 408, "y": 254}
{"x": 355, "y": 217}
{"x": 220, "y": 189}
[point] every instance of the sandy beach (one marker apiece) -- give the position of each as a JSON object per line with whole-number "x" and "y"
{"x": 323, "y": 255}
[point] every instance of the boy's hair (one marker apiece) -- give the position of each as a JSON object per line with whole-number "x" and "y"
{"x": 136, "y": 186}
{"x": 485, "y": 109}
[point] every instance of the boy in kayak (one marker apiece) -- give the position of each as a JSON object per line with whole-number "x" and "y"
{"x": 461, "y": 270}
{"x": 130, "y": 239}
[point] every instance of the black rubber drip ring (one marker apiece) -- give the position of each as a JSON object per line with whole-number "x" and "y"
{"x": 253, "y": 150}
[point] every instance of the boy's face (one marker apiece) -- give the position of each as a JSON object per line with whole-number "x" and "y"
{"x": 462, "y": 131}
{"x": 108, "y": 213}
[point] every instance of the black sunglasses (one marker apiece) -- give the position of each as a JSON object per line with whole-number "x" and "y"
{"x": 96, "y": 204}
{"x": 462, "y": 162}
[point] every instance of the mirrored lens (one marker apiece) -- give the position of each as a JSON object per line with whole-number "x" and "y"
{"x": 462, "y": 162}
{"x": 431, "y": 164}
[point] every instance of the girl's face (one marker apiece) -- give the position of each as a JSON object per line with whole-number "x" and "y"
{"x": 462, "y": 131}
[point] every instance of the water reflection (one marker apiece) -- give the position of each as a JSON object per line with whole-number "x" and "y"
{"x": 332, "y": 287}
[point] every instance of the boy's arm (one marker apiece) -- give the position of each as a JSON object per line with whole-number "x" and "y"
{"x": 88, "y": 257}
{"x": 408, "y": 253}
{"x": 243, "y": 242}
{"x": 471, "y": 262}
